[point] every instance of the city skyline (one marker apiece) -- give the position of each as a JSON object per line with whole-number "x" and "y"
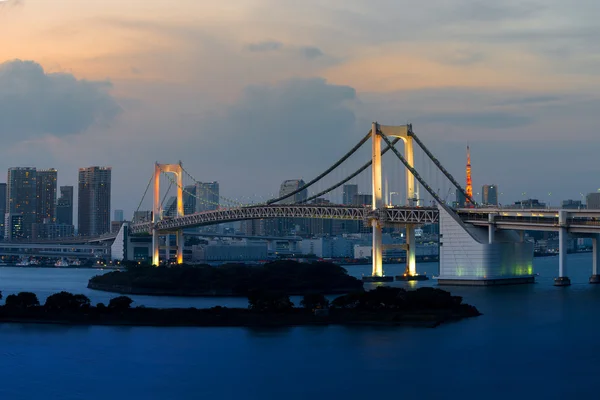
{"x": 454, "y": 80}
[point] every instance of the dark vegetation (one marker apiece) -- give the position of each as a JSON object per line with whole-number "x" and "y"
{"x": 285, "y": 276}
{"x": 382, "y": 306}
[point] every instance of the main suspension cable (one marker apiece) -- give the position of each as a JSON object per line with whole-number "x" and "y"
{"x": 358, "y": 171}
{"x": 334, "y": 166}
{"x": 439, "y": 165}
{"x": 143, "y": 197}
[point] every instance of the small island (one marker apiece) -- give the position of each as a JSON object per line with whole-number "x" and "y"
{"x": 384, "y": 306}
{"x": 286, "y": 276}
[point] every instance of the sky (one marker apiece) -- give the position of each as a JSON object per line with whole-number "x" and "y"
{"x": 252, "y": 92}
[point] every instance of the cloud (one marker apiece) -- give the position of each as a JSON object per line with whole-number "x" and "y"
{"x": 308, "y": 52}
{"x": 264, "y": 46}
{"x": 311, "y": 52}
{"x": 484, "y": 119}
{"x": 34, "y": 103}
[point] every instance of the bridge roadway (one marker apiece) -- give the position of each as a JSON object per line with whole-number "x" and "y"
{"x": 576, "y": 222}
{"x": 388, "y": 215}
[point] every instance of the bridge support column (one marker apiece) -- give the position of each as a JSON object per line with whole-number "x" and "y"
{"x": 155, "y": 248}
{"x": 180, "y": 246}
{"x": 377, "y": 250}
{"x": 562, "y": 279}
{"x": 411, "y": 256}
{"x": 595, "y": 278}
{"x": 491, "y": 229}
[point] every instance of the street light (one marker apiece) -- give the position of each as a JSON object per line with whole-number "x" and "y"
{"x": 523, "y": 201}
{"x": 549, "y": 199}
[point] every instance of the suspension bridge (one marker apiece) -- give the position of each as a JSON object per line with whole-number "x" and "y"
{"x": 478, "y": 246}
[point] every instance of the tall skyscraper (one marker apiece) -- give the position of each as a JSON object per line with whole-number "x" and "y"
{"x": 461, "y": 200}
{"x": 46, "y": 196}
{"x": 64, "y": 206}
{"x": 489, "y": 195}
{"x": 469, "y": 188}
{"x": 2, "y": 207}
{"x": 21, "y": 196}
{"x": 189, "y": 199}
{"x": 119, "y": 216}
{"x": 593, "y": 201}
{"x": 207, "y": 194}
{"x": 349, "y": 192}
{"x": 94, "y": 201}
{"x": 290, "y": 186}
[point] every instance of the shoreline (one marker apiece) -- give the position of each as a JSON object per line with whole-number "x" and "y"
{"x": 240, "y": 318}
{"x": 128, "y": 290}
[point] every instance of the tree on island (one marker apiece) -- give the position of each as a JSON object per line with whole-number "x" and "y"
{"x": 269, "y": 301}
{"x": 22, "y": 300}
{"x": 67, "y": 301}
{"x": 120, "y": 303}
{"x": 314, "y": 300}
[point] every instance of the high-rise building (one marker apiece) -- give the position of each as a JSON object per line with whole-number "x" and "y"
{"x": 119, "y": 216}
{"x": 46, "y": 195}
{"x": 189, "y": 199}
{"x": 94, "y": 201}
{"x": 170, "y": 208}
{"x": 2, "y": 207}
{"x": 364, "y": 200}
{"x": 349, "y": 192}
{"x": 64, "y": 206}
{"x": 207, "y": 196}
{"x": 21, "y": 196}
{"x": 593, "y": 201}
{"x": 461, "y": 200}
{"x": 572, "y": 204}
{"x": 13, "y": 227}
{"x": 290, "y": 186}
{"x": 489, "y": 195}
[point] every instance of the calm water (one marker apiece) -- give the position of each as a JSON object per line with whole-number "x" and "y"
{"x": 533, "y": 341}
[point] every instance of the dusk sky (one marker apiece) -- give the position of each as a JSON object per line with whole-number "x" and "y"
{"x": 253, "y": 92}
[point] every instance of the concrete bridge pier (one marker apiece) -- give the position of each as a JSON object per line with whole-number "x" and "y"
{"x": 562, "y": 279}
{"x": 411, "y": 254}
{"x": 180, "y": 243}
{"x": 155, "y": 248}
{"x": 595, "y": 278}
{"x": 491, "y": 228}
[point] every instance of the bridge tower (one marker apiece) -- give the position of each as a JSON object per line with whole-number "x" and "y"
{"x": 412, "y": 194}
{"x": 177, "y": 170}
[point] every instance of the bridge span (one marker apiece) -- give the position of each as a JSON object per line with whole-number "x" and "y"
{"x": 388, "y": 215}
{"x": 477, "y": 245}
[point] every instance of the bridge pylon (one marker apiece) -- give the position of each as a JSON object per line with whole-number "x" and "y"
{"x": 177, "y": 170}
{"x": 412, "y": 197}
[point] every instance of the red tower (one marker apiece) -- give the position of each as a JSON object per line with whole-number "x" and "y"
{"x": 469, "y": 183}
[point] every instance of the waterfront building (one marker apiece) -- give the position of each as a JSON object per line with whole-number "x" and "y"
{"x": 22, "y": 196}
{"x": 593, "y": 201}
{"x": 489, "y": 195}
{"x": 207, "y": 196}
{"x": 119, "y": 216}
{"x": 64, "y": 206}
{"x": 2, "y": 207}
{"x": 94, "y": 201}
{"x": 349, "y": 191}
{"x": 572, "y": 204}
{"x": 46, "y": 195}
